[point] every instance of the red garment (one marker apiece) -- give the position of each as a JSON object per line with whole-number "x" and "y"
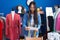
{"x": 58, "y": 22}
{"x": 1, "y": 28}
{"x": 13, "y": 27}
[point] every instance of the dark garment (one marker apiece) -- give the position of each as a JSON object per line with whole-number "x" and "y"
{"x": 51, "y": 23}
{"x": 7, "y": 39}
{"x": 43, "y": 25}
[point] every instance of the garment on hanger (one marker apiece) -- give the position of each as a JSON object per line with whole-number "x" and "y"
{"x": 43, "y": 28}
{"x": 4, "y": 26}
{"x": 13, "y": 27}
{"x": 55, "y": 17}
{"x": 51, "y": 23}
{"x": 1, "y": 27}
{"x": 58, "y": 22}
{"x": 3, "y": 21}
{"x": 42, "y": 18}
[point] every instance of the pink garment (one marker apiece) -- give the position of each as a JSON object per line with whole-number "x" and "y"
{"x": 58, "y": 22}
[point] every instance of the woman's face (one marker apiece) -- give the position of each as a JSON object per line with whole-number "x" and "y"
{"x": 32, "y": 7}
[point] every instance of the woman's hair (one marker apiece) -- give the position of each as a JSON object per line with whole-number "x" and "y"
{"x": 35, "y": 12}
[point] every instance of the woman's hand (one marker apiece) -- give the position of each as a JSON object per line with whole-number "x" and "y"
{"x": 27, "y": 28}
{"x": 36, "y": 30}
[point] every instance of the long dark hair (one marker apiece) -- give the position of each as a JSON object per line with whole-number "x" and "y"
{"x": 35, "y": 12}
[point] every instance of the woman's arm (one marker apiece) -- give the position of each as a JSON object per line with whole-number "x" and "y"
{"x": 24, "y": 20}
{"x": 39, "y": 21}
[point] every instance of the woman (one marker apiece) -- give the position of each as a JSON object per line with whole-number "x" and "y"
{"x": 32, "y": 19}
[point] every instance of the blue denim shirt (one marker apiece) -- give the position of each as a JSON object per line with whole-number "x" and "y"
{"x": 25, "y": 19}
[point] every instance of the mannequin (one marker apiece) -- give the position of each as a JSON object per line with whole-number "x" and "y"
{"x": 13, "y": 13}
{"x": 13, "y": 27}
{"x": 56, "y": 10}
{"x": 19, "y": 9}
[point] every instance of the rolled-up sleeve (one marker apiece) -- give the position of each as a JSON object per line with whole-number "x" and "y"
{"x": 24, "y": 20}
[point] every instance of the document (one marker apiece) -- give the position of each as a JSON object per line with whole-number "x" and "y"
{"x": 33, "y": 28}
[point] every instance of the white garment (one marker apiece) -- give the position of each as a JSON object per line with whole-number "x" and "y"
{"x": 19, "y": 9}
{"x": 32, "y": 20}
{"x": 49, "y": 11}
{"x": 3, "y": 17}
{"x": 13, "y": 13}
{"x": 56, "y": 13}
{"x": 53, "y": 36}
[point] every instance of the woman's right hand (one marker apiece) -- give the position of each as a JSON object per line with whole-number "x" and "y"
{"x": 27, "y": 28}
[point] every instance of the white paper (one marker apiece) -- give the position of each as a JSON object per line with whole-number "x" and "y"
{"x": 33, "y": 28}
